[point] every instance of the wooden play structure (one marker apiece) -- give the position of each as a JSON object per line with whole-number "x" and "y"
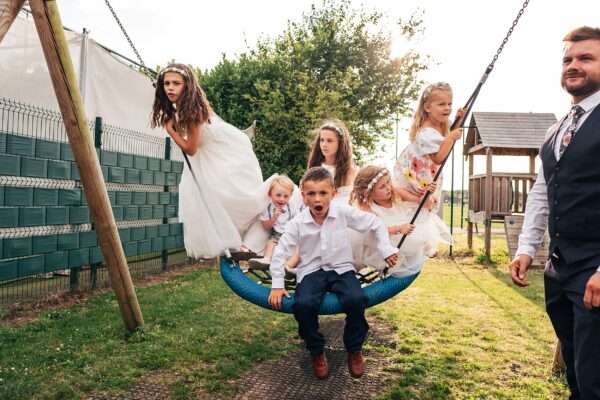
{"x": 499, "y": 196}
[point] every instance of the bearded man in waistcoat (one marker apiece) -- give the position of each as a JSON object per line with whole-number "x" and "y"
{"x": 565, "y": 199}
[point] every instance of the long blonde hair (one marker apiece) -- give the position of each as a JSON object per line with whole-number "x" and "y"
{"x": 364, "y": 183}
{"x": 421, "y": 114}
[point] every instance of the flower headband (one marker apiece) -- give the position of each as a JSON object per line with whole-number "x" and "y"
{"x": 334, "y": 128}
{"x": 173, "y": 69}
{"x": 374, "y": 181}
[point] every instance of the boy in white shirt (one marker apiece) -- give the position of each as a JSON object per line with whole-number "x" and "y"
{"x": 320, "y": 233}
{"x": 274, "y": 218}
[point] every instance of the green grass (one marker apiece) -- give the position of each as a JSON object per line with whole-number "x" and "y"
{"x": 461, "y": 331}
{"x": 194, "y": 326}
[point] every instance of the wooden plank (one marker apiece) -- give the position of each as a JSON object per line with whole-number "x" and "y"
{"x": 64, "y": 80}
{"x": 9, "y": 9}
{"x": 512, "y": 228}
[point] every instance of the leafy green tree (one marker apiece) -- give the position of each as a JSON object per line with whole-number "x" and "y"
{"x": 334, "y": 62}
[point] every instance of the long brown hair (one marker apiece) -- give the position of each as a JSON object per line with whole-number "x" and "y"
{"x": 364, "y": 183}
{"x": 192, "y": 106}
{"x": 343, "y": 157}
{"x": 421, "y": 114}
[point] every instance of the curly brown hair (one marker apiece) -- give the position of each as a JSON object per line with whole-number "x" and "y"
{"x": 193, "y": 107}
{"x": 343, "y": 157}
{"x": 361, "y": 193}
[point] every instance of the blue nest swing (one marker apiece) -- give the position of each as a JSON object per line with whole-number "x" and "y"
{"x": 257, "y": 293}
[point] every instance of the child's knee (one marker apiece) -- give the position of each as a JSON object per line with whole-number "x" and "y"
{"x": 354, "y": 300}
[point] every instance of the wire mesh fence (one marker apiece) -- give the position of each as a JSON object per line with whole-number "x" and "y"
{"x": 25, "y": 120}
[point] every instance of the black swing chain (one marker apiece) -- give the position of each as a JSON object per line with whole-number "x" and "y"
{"x": 468, "y": 107}
{"x": 145, "y": 69}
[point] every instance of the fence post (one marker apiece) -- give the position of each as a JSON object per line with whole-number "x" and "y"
{"x": 98, "y": 146}
{"x": 165, "y": 253}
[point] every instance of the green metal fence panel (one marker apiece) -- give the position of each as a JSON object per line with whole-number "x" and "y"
{"x": 16, "y": 247}
{"x": 170, "y": 211}
{"x": 10, "y": 165}
{"x": 131, "y": 213}
{"x": 145, "y": 212}
{"x": 164, "y": 198}
{"x": 9, "y": 217}
{"x": 57, "y": 215}
{"x": 170, "y": 243}
{"x": 153, "y": 198}
{"x": 2, "y": 142}
{"x": 154, "y": 164}
{"x": 157, "y": 244}
{"x": 79, "y": 215}
{"x": 44, "y": 244}
{"x": 75, "y": 172}
{"x": 96, "y": 256}
{"x": 20, "y": 145}
{"x": 47, "y": 149}
{"x": 109, "y": 158}
{"x": 34, "y": 167}
{"x": 159, "y": 178}
{"x": 45, "y": 197}
{"x": 59, "y": 169}
{"x": 88, "y": 239}
{"x": 32, "y": 216}
{"x": 116, "y": 174}
{"x": 55, "y": 261}
{"x": 158, "y": 212}
{"x": 1, "y": 196}
{"x": 139, "y": 198}
{"x": 9, "y": 269}
{"x": 68, "y": 241}
{"x": 177, "y": 166}
{"x": 79, "y": 257}
{"x": 132, "y": 176}
{"x": 131, "y": 249}
{"x": 147, "y": 177}
{"x": 31, "y": 266}
{"x": 176, "y": 229}
{"x": 140, "y": 162}
{"x": 144, "y": 246}
{"x": 124, "y": 198}
{"x": 119, "y": 213}
{"x": 125, "y": 160}
{"x": 171, "y": 179}
{"x": 69, "y": 197}
{"x": 163, "y": 230}
{"x": 151, "y": 231}
{"x": 18, "y": 196}
{"x": 138, "y": 233}
{"x": 165, "y": 165}
{"x": 66, "y": 153}
{"x": 125, "y": 235}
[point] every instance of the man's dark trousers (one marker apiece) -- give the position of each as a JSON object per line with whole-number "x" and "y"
{"x": 310, "y": 293}
{"x": 577, "y": 328}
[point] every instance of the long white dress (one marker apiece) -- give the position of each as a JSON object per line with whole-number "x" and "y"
{"x": 229, "y": 193}
{"x": 413, "y": 250}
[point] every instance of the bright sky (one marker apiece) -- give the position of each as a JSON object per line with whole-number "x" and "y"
{"x": 461, "y": 36}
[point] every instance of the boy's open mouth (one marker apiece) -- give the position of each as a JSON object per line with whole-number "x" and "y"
{"x": 319, "y": 208}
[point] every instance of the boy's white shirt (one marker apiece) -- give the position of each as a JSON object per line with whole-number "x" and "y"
{"x": 326, "y": 246}
{"x": 287, "y": 214}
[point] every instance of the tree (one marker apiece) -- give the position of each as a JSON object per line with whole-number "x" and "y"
{"x": 334, "y": 62}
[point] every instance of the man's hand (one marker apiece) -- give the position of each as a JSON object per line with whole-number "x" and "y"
{"x": 392, "y": 260}
{"x": 591, "y": 297}
{"x": 275, "y": 298}
{"x": 518, "y": 269}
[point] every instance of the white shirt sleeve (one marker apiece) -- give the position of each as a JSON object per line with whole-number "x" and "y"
{"x": 536, "y": 217}
{"x": 364, "y": 222}
{"x": 283, "y": 251}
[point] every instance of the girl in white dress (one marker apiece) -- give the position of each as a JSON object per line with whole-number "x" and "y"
{"x": 224, "y": 192}
{"x": 373, "y": 192}
{"x": 430, "y": 142}
{"x": 332, "y": 149}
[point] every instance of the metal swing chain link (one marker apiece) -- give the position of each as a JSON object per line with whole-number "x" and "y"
{"x": 510, "y": 31}
{"x": 146, "y": 70}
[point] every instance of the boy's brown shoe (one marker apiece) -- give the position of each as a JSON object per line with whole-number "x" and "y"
{"x": 356, "y": 364}
{"x": 320, "y": 367}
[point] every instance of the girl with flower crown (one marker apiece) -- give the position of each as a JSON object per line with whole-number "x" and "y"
{"x": 373, "y": 192}
{"x": 224, "y": 192}
{"x": 332, "y": 150}
{"x": 430, "y": 142}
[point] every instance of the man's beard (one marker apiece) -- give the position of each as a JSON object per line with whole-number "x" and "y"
{"x": 589, "y": 87}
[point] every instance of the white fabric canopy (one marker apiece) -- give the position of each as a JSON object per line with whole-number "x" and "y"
{"x": 113, "y": 90}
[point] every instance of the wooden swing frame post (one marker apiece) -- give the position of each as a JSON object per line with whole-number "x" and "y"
{"x": 56, "y": 51}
